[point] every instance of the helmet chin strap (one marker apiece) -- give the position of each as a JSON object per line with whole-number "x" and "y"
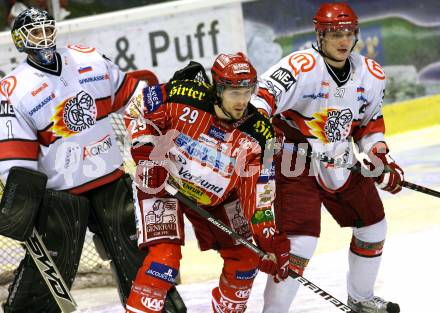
{"x": 220, "y": 105}
{"x": 320, "y": 51}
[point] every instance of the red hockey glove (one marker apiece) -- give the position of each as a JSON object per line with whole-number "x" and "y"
{"x": 392, "y": 175}
{"x": 150, "y": 175}
{"x": 277, "y": 246}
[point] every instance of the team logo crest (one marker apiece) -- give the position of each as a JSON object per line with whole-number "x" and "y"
{"x": 332, "y": 125}
{"x": 74, "y": 115}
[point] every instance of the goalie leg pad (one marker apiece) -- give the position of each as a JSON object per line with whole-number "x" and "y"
{"x": 112, "y": 220}
{"x": 21, "y": 200}
{"x": 63, "y": 231}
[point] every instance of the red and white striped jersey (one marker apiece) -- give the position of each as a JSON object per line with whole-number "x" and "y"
{"x": 57, "y": 120}
{"x": 325, "y": 111}
{"x": 214, "y": 160}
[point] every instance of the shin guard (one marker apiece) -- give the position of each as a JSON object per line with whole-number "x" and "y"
{"x": 239, "y": 271}
{"x": 154, "y": 278}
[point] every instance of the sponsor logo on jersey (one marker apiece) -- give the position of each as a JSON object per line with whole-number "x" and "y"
{"x": 85, "y": 69}
{"x": 160, "y": 218}
{"x": 331, "y": 125}
{"x": 321, "y": 95}
{"x": 163, "y": 272}
{"x": 246, "y": 275}
{"x": 153, "y": 98}
{"x": 200, "y": 181}
{"x": 6, "y": 109}
{"x": 205, "y": 154}
{"x": 100, "y": 147}
{"x": 236, "y": 217}
{"x": 81, "y": 48}
{"x": 283, "y": 77}
{"x": 208, "y": 140}
{"x": 39, "y": 89}
{"x": 42, "y": 104}
{"x": 217, "y": 133}
{"x": 7, "y": 86}
{"x": 267, "y": 173}
{"x": 94, "y": 79}
{"x": 194, "y": 192}
{"x": 74, "y": 115}
{"x": 261, "y": 216}
{"x": 180, "y": 89}
{"x": 264, "y": 129}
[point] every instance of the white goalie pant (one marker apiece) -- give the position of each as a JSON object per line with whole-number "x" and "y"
{"x": 361, "y": 276}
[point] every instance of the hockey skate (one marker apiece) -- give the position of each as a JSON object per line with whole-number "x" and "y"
{"x": 375, "y": 305}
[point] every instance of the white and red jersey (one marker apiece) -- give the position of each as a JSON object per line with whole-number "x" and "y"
{"x": 215, "y": 161}
{"x": 57, "y": 120}
{"x": 301, "y": 89}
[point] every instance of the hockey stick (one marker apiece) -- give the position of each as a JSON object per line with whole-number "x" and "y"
{"x": 223, "y": 227}
{"x": 50, "y": 273}
{"x": 357, "y": 168}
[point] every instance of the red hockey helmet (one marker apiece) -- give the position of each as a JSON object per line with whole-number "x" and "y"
{"x": 233, "y": 70}
{"x": 335, "y": 16}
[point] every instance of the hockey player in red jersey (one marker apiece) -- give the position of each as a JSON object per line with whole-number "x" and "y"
{"x": 214, "y": 141}
{"x": 55, "y": 118}
{"x": 324, "y": 97}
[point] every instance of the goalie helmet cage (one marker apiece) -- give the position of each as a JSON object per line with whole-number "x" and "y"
{"x": 92, "y": 271}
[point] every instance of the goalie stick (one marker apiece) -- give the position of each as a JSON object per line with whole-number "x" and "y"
{"x": 50, "y": 273}
{"x": 223, "y": 227}
{"x": 357, "y": 168}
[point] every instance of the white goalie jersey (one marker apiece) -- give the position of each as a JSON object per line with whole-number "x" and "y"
{"x": 57, "y": 121}
{"x": 301, "y": 89}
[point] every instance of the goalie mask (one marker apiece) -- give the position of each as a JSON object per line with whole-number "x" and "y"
{"x": 34, "y": 33}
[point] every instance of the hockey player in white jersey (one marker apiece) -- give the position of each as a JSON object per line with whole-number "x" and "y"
{"x": 323, "y": 97}
{"x": 56, "y": 120}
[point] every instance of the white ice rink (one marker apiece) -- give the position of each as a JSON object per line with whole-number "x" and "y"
{"x": 410, "y": 271}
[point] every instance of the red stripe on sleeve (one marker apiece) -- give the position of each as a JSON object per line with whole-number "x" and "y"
{"x": 376, "y": 126}
{"x": 19, "y": 149}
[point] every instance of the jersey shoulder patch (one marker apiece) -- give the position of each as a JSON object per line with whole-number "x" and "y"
{"x": 258, "y": 127}
{"x": 192, "y": 93}
{"x": 374, "y": 68}
{"x": 302, "y": 61}
{"x": 81, "y": 48}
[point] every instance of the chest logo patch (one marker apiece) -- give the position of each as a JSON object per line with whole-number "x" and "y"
{"x": 74, "y": 115}
{"x": 331, "y": 125}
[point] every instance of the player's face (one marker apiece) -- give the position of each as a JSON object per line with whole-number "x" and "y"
{"x": 235, "y": 100}
{"x": 39, "y": 35}
{"x": 338, "y": 44}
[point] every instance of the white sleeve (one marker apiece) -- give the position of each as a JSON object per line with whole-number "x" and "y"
{"x": 19, "y": 144}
